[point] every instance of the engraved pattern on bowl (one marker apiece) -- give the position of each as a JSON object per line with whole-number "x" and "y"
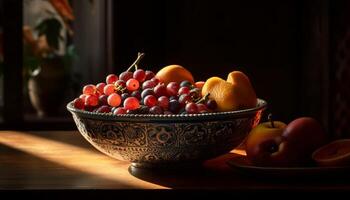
{"x": 164, "y": 139}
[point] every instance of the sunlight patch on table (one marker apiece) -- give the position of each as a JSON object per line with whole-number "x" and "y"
{"x": 64, "y": 154}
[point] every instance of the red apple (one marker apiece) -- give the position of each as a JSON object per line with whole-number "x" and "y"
{"x": 282, "y": 145}
{"x": 304, "y": 135}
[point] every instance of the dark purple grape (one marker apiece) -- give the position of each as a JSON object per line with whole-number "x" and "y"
{"x": 137, "y": 94}
{"x": 124, "y": 96}
{"x": 156, "y": 110}
{"x": 102, "y": 99}
{"x": 143, "y": 110}
{"x": 148, "y": 91}
{"x": 104, "y": 109}
{"x": 211, "y": 104}
{"x": 186, "y": 84}
{"x": 174, "y": 106}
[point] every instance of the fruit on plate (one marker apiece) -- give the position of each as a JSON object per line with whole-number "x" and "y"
{"x": 174, "y": 73}
{"x": 141, "y": 92}
{"x": 305, "y": 135}
{"x": 263, "y": 144}
{"x": 336, "y": 153}
{"x": 290, "y": 145}
{"x": 234, "y": 94}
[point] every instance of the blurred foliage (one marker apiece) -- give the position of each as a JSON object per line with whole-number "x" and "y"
{"x": 51, "y": 28}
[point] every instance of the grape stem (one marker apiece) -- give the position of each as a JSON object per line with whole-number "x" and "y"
{"x": 269, "y": 117}
{"x": 203, "y": 98}
{"x": 137, "y": 61}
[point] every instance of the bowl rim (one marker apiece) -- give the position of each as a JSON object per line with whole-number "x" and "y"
{"x": 261, "y": 105}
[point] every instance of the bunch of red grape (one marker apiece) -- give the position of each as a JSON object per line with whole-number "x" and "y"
{"x": 140, "y": 92}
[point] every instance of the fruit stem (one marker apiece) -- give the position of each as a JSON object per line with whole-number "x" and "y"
{"x": 203, "y": 98}
{"x": 138, "y": 59}
{"x": 269, "y": 117}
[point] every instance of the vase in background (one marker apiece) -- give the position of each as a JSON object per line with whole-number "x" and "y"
{"x": 47, "y": 85}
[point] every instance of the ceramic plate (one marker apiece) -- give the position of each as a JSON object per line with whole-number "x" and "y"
{"x": 241, "y": 164}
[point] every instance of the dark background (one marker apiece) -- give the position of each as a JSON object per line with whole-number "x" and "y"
{"x": 265, "y": 39}
{"x": 292, "y": 50}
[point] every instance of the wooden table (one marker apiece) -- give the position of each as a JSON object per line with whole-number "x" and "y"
{"x": 61, "y": 160}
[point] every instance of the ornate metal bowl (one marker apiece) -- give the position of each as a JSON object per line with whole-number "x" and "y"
{"x": 164, "y": 140}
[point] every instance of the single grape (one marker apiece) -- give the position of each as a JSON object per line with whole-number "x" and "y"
{"x": 156, "y": 80}
{"x": 131, "y": 103}
{"x": 186, "y": 84}
{"x": 191, "y": 108}
{"x": 184, "y": 90}
{"x": 150, "y": 101}
{"x": 143, "y": 109}
{"x": 104, "y": 109}
{"x": 120, "y": 83}
{"x": 139, "y": 75}
{"x": 149, "y": 75}
{"x": 148, "y": 91}
{"x": 160, "y": 90}
{"x": 174, "y": 106}
{"x": 114, "y": 100}
{"x": 100, "y": 87}
{"x": 172, "y": 88}
{"x": 119, "y": 111}
{"x": 148, "y": 84}
{"x": 103, "y": 99}
{"x": 111, "y": 78}
{"x": 163, "y": 102}
{"x": 124, "y": 96}
{"x": 132, "y": 84}
{"x": 109, "y": 89}
{"x": 125, "y": 76}
{"x": 211, "y": 104}
{"x": 184, "y": 99}
{"x": 89, "y": 89}
{"x": 202, "y": 108}
{"x": 156, "y": 110}
{"x": 137, "y": 94}
{"x": 91, "y": 100}
{"x": 83, "y": 96}
{"x": 78, "y": 103}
